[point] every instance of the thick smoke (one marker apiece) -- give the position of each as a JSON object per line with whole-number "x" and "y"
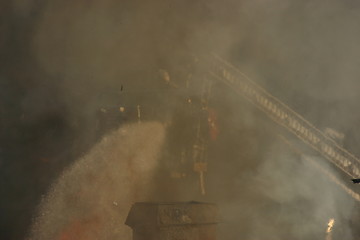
{"x": 91, "y": 199}
{"x": 304, "y": 52}
{"x": 307, "y": 198}
{"x": 59, "y": 57}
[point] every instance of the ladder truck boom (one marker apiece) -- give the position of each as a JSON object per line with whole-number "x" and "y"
{"x": 284, "y": 116}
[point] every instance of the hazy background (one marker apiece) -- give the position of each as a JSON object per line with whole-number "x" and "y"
{"x": 58, "y": 58}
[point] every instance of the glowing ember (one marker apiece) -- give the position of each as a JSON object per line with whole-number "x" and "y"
{"x": 330, "y": 225}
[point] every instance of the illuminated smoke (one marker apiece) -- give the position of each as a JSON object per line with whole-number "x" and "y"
{"x": 91, "y": 199}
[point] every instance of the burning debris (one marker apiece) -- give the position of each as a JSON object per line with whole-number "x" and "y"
{"x": 330, "y": 225}
{"x": 329, "y": 229}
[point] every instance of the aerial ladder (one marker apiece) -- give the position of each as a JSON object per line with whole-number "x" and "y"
{"x": 283, "y": 115}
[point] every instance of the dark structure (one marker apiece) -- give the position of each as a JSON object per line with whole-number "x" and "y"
{"x": 173, "y": 221}
{"x": 355, "y": 180}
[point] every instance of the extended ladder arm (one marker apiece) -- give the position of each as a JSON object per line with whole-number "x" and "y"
{"x": 284, "y": 115}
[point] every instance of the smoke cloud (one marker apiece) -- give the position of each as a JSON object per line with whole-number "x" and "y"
{"x": 63, "y": 61}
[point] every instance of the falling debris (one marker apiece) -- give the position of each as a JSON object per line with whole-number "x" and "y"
{"x": 329, "y": 229}
{"x": 138, "y": 108}
{"x": 165, "y": 75}
{"x": 330, "y": 225}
